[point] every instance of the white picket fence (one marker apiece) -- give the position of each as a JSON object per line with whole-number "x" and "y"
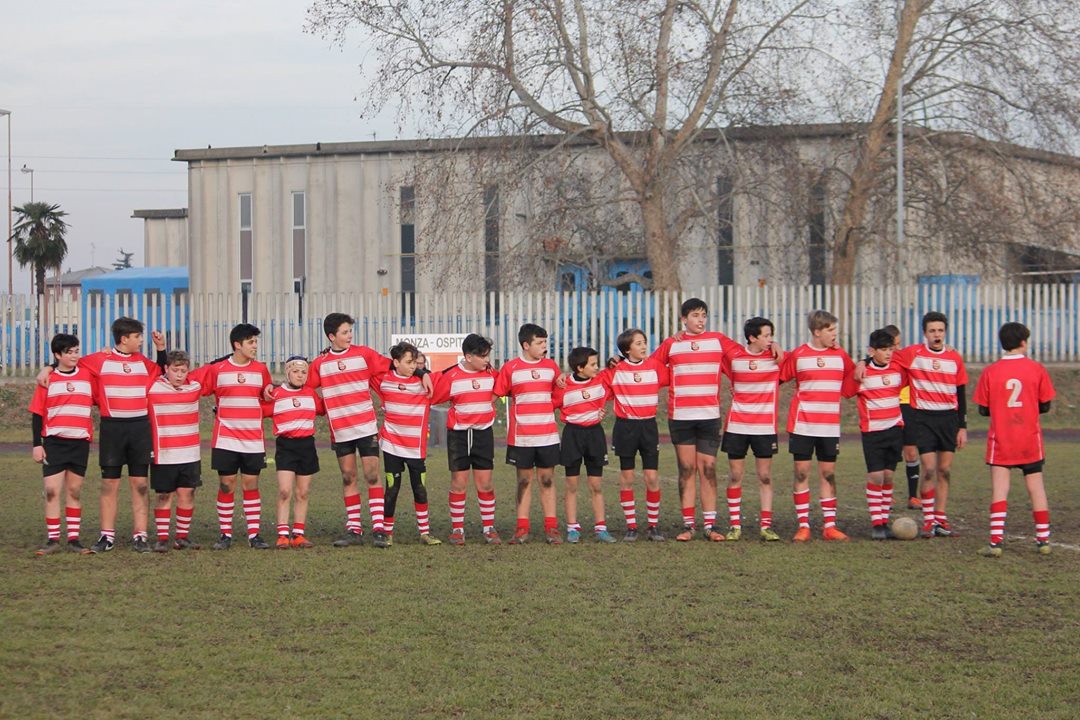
{"x": 292, "y": 324}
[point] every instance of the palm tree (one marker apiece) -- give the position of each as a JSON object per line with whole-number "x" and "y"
{"x": 39, "y": 239}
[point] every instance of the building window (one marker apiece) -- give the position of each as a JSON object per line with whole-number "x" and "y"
{"x": 299, "y": 236}
{"x": 817, "y": 234}
{"x": 491, "y": 238}
{"x": 725, "y": 240}
{"x": 408, "y": 248}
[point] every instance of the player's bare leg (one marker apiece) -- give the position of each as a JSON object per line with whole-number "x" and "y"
{"x": 596, "y": 492}
{"x": 801, "y": 496}
{"x": 107, "y": 502}
{"x": 286, "y": 479}
{"x": 736, "y": 471}
{"x": 763, "y": 467}
{"x": 300, "y": 509}
{"x": 686, "y": 456}
{"x": 827, "y": 483}
{"x": 706, "y": 470}
{"x": 999, "y": 496}
{"x": 570, "y": 493}
{"x": 350, "y": 494}
{"x": 548, "y": 501}
{"x": 140, "y": 504}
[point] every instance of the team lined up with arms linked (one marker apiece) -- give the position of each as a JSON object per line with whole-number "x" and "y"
{"x": 911, "y": 401}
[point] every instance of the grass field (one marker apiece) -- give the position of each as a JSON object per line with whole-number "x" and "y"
{"x": 863, "y": 630}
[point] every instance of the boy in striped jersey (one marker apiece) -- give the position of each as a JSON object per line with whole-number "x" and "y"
{"x": 122, "y": 375}
{"x": 751, "y": 421}
{"x": 344, "y": 374}
{"x": 694, "y": 357}
{"x": 294, "y": 408}
{"x": 582, "y": 403}
{"x": 820, "y": 370}
{"x": 939, "y": 400}
{"x": 1014, "y": 392}
{"x": 403, "y": 440}
{"x": 238, "y": 448}
{"x": 911, "y": 451}
{"x": 882, "y": 427}
{"x": 173, "y": 400}
{"x": 532, "y": 438}
{"x": 635, "y": 383}
{"x": 62, "y": 430}
{"x": 470, "y": 441}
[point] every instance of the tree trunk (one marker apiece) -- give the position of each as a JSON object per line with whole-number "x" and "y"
{"x": 847, "y": 240}
{"x": 660, "y": 247}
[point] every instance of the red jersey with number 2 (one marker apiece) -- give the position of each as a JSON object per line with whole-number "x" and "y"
{"x": 1012, "y": 388}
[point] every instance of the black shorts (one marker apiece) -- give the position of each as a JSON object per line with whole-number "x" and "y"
{"x": 470, "y": 449}
{"x": 395, "y": 464}
{"x": 525, "y": 458}
{"x": 297, "y": 455}
{"x": 883, "y": 449}
{"x": 736, "y": 445}
{"x": 935, "y": 430}
{"x": 583, "y": 444}
{"x": 703, "y": 434}
{"x": 908, "y": 413}
{"x": 1028, "y": 469}
{"x": 167, "y": 478}
{"x": 125, "y": 441}
{"x": 805, "y": 447}
{"x": 230, "y": 462}
{"x": 63, "y": 454}
{"x": 367, "y": 446}
{"x": 630, "y": 438}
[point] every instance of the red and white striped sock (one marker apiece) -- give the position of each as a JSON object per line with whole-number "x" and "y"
{"x": 486, "y": 500}
{"x": 283, "y": 529}
{"x": 422, "y": 517}
{"x": 652, "y": 507}
{"x": 928, "y": 506}
{"x": 873, "y": 502}
{"x": 998, "y": 511}
{"x": 573, "y": 526}
{"x": 688, "y": 517}
{"x": 457, "y": 511}
{"x": 599, "y": 528}
{"x": 828, "y": 511}
{"x": 766, "y": 519}
{"x": 183, "y": 521}
{"x": 252, "y": 511}
{"x": 162, "y": 516}
{"x": 629, "y": 508}
{"x": 73, "y": 518}
{"x": 225, "y": 505}
{"x": 298, "y": 529}
{"x": 734, "y": 506}
{"x": 802, "y": 507}
{"x": 110, "y": 533}
{"x": 375, "y": 495}
{"x": 1042, "y": 525}
{"x": 709, "y": 517}
{"x": 886, "y": 502}
{"x": 353, "y": 516}
{"x": 52, "y": 528}
{"x": 388, "y": 525}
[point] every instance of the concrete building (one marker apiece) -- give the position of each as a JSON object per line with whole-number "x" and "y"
{"x": 468, "y": 214}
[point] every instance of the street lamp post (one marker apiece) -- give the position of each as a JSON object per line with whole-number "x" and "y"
{"x": 24, "y": 170}
{"x": 10, "y": 230}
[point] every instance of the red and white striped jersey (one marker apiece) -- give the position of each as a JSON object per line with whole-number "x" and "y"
{"x": 64, "y": 406}
{"x": 636, "y": 387}
{"x": 471, "y": 396}
{"x": 582, "y": 401}
{"x": 820, "y": 377}
{"x": 695, "y": 363}
{"x": 294, "y": 410}
{"x": 934, "y": 376}
{"x": 174, "y": 421}
{"x": 879, "y": 396}
{"x": 530, "y": 385}
{"x": 405, "y": 414}
{"x": 122, "y": 381}
{"x": 345, "y": 378}
{"x": 755, "y": 383}
{"x": 238, "y": 389}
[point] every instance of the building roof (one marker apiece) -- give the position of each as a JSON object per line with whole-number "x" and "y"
{"x": 160, "y": 214}
{"x": 139, "y": 279}
{"x": 74, "y": 277}
{"x": 746, "y": 134}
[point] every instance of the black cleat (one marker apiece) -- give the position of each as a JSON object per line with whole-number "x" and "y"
{"x": 77, "y": 547}
{"x": 630, "y": 536}
{"x": 139, "y": 545}
{"x": 185, "y": 544}
{"x": 350, "y": 538}
{"x": 379, "y": 539}
{"x": 104, "y": 544}
{"x": 258, "y": 543}
{"x": 223, "y": 543}
{"x": 50, "y": 547}
{"x": 161, "y": 546}
{"x": 654, "y": 534}
{"x": 878, "y": 532}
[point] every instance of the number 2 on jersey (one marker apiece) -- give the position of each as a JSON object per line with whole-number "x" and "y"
{"x": 1015, "y": 387}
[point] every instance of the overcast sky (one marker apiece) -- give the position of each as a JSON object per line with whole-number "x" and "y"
{"x": 102, "y": 93}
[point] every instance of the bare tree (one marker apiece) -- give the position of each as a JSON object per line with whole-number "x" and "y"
{"x": 989, "y": 71}
{"x": 640, "y": 81}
